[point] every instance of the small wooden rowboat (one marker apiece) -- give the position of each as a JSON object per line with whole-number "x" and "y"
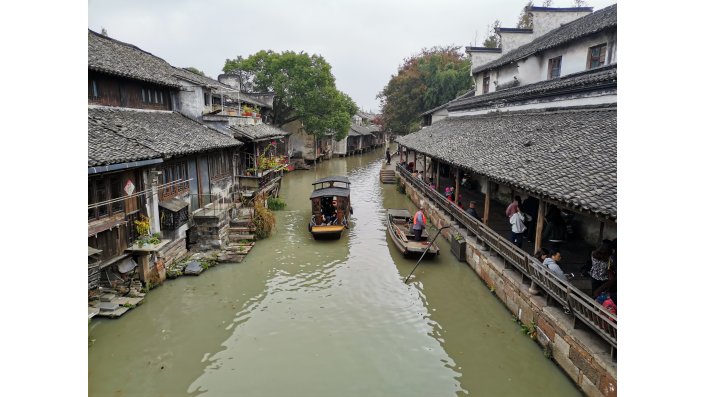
{"x": 399, "y": 222}
{"x": 330, "y": 207}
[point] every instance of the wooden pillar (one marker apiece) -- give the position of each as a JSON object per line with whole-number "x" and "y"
{"x": 539, "y": 225}
{"x": 457, "y": 185}
{"x": 416, "y": 166}
{"x": 486, "y": 215}
{"x": 438, "y": 176}
{"x": 425, "y": 170}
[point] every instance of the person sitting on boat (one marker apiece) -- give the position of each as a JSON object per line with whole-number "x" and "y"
{"x": 419, "y": 224}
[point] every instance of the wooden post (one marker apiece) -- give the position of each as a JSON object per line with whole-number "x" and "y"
{"x": 438, "y": 176}
{"x": 539, "y": 225}
{"x": 457, "y": 185}
{"x": 424, "y": 177}
{"x": 416, "y": 166}
{"x": 486, "y": 215}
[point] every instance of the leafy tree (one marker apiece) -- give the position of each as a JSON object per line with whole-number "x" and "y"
{"x": 194, "y": 70}
{"x": 304, "y": 89}
{"x": 423, "y": 82}
{"x": 526, "y": 20}
{"x": 493, "y": 39}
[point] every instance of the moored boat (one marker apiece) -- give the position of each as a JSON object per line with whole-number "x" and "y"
{"x": 399, "y": 222}
{"x": 330, "y": 207}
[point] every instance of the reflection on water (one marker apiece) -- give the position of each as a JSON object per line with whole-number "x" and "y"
{"x": 301, "y": 317}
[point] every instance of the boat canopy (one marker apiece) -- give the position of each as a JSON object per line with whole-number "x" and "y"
{"x": 331, "y": 191}
{"x": 334, "y": 178}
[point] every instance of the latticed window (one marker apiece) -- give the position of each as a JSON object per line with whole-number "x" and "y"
{"x": 486, "y": 84}
{"x": 554, "y": 68}
{"x": 219, "y": 165}
{"x": 103, "y": 189}
{"x": 172, "y": 173}
{"x": 596, "y": 56}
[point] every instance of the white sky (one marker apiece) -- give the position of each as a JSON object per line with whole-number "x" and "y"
{"x": 364, "y": 40}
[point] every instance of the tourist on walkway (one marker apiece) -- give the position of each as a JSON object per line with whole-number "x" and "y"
{"x": 512, "y": 207}
{"x": 552, "y": 264}
{"x": 600, "y": 259}
{"x": 389, "y": 156}
{"x": 518, "y": 226}
{"x": 472, "y": 211}
{"x": 419, "y": 224}
{"x": 554, "y": 231}
{"x": 542, "y": 254}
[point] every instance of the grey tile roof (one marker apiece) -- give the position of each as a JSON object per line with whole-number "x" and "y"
{"x": 258, "y": 131}
{"x": 117, "y": 135}
{"x": 595, "y": 79}
{"x": 569, "y": 156}
{"x": 360, "y": 129}
{"x": 599, "y": 20}
{"x": 117, "y": 58}
{"x": 218, "y": 87}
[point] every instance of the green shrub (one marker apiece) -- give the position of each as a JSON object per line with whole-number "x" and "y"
{"x": 263, "y": 219}
{"x": 275, "y": 204}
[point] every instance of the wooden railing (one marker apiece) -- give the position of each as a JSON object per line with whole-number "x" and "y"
{"x": 570, "y": 298}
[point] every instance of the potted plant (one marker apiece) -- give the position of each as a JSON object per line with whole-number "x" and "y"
{"x": 144, "y": 234}
{"x": 457, "y": 246}
{"x": 247, "y": 111}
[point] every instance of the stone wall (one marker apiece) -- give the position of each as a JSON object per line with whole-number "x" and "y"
{"x": 582, "y": 355}
{"x": 210, "y": 230}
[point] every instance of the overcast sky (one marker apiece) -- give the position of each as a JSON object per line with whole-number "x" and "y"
{"x": 365, "y": 41}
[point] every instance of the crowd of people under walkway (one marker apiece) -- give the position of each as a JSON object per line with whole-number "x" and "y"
{"x": 601, "y": 266}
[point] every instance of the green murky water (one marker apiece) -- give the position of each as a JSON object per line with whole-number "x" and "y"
{"x": 323, "y": 318}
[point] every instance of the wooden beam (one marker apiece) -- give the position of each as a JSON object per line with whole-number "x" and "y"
{"x": 457, "y": 185}
{"x": 539, "y": 225}
{"x": 424, "y": 177}
{"x": 486, "y": 214}
{"x": 438, "y": 176}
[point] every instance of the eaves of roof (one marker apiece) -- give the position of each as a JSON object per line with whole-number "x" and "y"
{"x": 590, "y": 80}
{"x": 568, "y": 156}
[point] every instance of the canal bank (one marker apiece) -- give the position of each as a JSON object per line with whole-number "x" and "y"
{"x": 318, "y": 318}
{"x": 583, "y": 356}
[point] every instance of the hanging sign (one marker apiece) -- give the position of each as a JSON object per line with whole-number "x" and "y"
{"x": 129, "y": 187}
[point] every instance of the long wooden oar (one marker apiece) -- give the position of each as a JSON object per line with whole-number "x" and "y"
{"x": 424, "y": 253}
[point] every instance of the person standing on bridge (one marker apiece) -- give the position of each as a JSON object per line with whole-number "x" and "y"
{"x": 389, "y": 156}
{"x": 419, "y": 224}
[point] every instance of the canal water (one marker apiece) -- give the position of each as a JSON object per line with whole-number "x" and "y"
{"x": 301, "y": 317}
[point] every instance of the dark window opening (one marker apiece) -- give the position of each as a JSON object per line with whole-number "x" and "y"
{"x": 596, "y": 56}
{"x": 219, "y": 165}
{"x": 93, "y": 89}
{"x": 554, "y": 68}
{"x": 104, "y": 189}
{"x": 486, "y": 84}
{"x": 172, "y": 173}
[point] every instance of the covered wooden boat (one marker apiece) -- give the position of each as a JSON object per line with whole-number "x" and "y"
{"x": 330, "y": 207}
{"x": 399, "y": 223}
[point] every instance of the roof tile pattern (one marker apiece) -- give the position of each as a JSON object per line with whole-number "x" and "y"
{"x": 568, "y": 156}
{"x": 115, "y": 57}
{"x": 258, "y": 131}
{"x": 585, "y": 26}
{"x": 117, "y": 135}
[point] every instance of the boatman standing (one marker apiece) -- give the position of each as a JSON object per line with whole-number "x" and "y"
{"x": 419, "y": 224}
